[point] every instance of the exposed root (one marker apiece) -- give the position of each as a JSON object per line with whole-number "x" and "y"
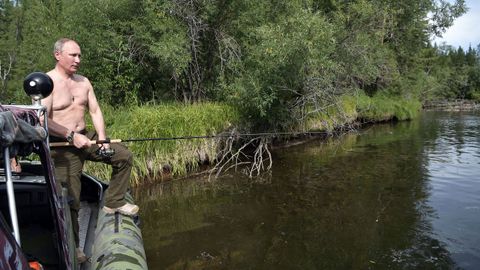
{"x": 258, "y": 163}
{"x": 231, "y": 157}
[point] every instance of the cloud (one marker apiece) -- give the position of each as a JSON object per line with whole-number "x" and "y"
{"x": 465, "y": 30}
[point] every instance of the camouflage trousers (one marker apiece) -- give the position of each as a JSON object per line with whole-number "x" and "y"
{"x": 69, "y": 162}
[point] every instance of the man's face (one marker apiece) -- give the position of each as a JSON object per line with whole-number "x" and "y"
{"x": 69, "y": 57}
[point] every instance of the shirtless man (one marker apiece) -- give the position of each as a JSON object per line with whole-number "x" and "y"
{"x": 72, "y": 96}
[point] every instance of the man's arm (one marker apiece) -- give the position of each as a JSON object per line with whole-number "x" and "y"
{"x": 96, "y": 114}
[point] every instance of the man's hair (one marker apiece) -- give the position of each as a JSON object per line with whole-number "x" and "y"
{"x": 58, "y": 46}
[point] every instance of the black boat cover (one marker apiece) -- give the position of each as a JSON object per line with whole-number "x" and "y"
{"x": 18, "y": 134}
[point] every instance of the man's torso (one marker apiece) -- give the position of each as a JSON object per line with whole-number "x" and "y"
{"x": 69, "y": 101}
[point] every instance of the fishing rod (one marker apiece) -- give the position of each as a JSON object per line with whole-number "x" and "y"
{"x": 263, "y": 134}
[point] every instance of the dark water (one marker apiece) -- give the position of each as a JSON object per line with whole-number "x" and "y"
{"x": 395, "y": 196}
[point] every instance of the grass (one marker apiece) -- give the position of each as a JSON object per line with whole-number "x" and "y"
{"x": 363, "y": 108}
{"x": 333, "y": 116}
{"x": 383, "y": 108}
{"x": 166, "y": 121}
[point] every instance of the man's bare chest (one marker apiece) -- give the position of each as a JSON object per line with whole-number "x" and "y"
{"x": 67, "y": 95}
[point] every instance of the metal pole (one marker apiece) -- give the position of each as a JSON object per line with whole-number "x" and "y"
{"x": 11, "y": 195}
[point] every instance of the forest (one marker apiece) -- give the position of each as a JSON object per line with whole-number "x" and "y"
{"x": 274, "y": 61}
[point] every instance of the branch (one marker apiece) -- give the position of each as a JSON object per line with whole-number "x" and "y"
{"x": 5, "y": 72}
{"x": 229, "y": 158}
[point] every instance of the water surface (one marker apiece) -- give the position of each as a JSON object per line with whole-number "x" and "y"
{"x": 393, "y": 196}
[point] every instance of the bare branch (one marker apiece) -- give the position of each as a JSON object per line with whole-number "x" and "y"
{"x": 230, "y": 158}
{"x": 5, "y": 71}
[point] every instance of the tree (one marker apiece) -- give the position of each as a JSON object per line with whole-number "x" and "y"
{"x": 10, "y": 24}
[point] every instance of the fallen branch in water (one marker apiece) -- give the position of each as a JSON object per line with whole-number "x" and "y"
{"x": 258, "y": 159}
{"x": 229, "y": 157}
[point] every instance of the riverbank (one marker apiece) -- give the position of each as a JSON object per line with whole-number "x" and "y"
{"x": 452, "y": 105}
{"x": 165, "y": 159}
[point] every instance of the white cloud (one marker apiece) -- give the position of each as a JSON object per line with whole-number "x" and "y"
{"x": 465, "y": 30}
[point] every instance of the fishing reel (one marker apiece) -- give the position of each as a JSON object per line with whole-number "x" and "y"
{"x": 105, "y": 153}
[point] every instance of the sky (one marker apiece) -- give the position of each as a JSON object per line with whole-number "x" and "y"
{"x": 465, "y": 30}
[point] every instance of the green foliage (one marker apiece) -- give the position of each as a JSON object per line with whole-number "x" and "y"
{"x": 8, "y": 44}
{"x": 456, "y": 74}
{"x": 41, "y": 22}
{"x": 281, "y": 58}
{"x": 367, "y": 61}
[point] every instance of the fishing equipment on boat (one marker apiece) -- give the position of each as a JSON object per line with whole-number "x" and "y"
{"x": 106, "y": 153}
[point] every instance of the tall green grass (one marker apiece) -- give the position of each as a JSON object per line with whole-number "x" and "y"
{"x": 333, "y": 116}
{"x": 350, "y": 108}
{"x": 166, "y": 121}
{"x": 383, "y": 108}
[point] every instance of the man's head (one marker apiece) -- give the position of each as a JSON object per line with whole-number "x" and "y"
{"x": 67, "y": 53}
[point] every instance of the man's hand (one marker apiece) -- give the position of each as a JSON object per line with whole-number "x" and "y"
{"x": 105, "y": 151}
{"x": 81, "y": 141}
{"x": 104, "y": 145}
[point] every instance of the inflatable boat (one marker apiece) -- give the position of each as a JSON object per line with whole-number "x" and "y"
{"x": 35, "y": 226}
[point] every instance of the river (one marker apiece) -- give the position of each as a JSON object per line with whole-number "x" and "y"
{"x": 391, "y": 196}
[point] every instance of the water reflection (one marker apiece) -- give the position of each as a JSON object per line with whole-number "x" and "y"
{"x": 454, "y": 175}
{"x": 369, "y": 200}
